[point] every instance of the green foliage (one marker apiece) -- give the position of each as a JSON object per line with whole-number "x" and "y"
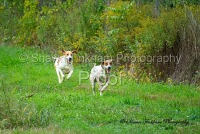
{"x": 28, "y": 22}
{"x": 99, "y": 27}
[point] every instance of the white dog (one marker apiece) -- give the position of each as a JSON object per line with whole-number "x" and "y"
{"x": 64, "y": 65}
{"x": 101, "y": 74}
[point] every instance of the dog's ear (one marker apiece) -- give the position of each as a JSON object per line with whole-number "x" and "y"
{"x": 102, "y": 63}
{"x": 74, "y": 51}
{"x": 63, "y": 51}
{"x": 111, "y": 60}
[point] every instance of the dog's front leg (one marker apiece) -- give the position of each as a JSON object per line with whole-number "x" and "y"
{"x": 70, "y": 74}
{"x": 62, "y": 76}
{"x": 100, "y": 87}
{"x": 58, "y": 74}
{"x": 104, "y": 87}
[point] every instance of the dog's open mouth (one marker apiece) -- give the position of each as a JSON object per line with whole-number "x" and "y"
{"x": 108, "y": 70}
{"x": 70, "y": 61}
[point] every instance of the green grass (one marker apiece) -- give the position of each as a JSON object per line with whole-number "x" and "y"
{"x": 32, "y": 101}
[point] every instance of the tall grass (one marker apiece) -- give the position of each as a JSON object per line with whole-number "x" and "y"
{"x": 16, "y": 112}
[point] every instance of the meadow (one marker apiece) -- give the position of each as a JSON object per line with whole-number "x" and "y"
{"x": 32, "y": 101}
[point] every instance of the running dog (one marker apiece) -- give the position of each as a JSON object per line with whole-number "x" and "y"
{"x": 101, "y": 75}
{"x": 64, "y": 65}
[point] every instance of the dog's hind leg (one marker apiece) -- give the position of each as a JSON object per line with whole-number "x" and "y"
{"x": 93, "y": 88}
{"x": 92, "y": 80}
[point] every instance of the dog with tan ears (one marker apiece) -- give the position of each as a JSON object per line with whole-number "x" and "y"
{"x": 101, "y": 75}
{"x": 64, "y": 65}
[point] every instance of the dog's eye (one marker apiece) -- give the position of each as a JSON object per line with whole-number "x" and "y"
{"x": 67, "y": 54}
{"x": 106, "y": 64}
{"x": 110, "y": 63}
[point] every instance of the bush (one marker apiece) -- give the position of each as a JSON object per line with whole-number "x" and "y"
{"x": 105, "y": 27}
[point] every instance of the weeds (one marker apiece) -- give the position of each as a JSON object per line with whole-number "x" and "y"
{"x": 15, "y": 112}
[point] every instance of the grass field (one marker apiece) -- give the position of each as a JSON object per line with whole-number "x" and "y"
{"x": 32, "y": 101}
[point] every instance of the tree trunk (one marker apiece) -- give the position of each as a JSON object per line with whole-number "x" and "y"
{"x": 40, "y": 4}
{"x": 157, "y": 10}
